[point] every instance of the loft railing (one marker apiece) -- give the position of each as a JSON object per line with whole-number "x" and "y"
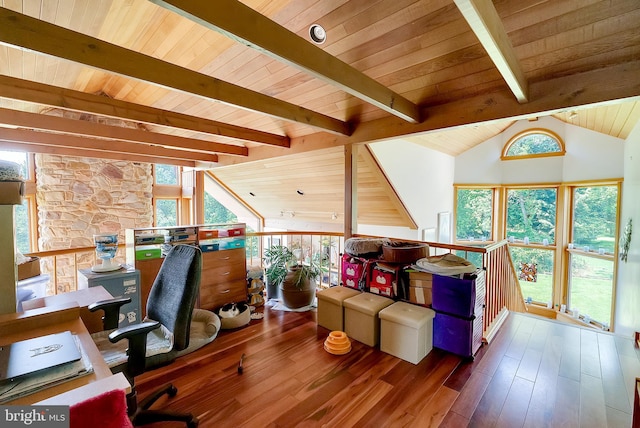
{"x": 503, "y": 289}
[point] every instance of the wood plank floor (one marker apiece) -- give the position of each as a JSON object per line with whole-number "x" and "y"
{"x": 535, "y": 373}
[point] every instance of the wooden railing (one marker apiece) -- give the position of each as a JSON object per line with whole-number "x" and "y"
{"x": 305, "y": 245}
{"x": 503, "y": 289}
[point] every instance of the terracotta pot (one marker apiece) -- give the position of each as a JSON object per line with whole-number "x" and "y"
{"x": 297, "y": 297}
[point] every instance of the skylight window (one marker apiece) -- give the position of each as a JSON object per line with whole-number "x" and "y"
{"x": 533, "y": 143}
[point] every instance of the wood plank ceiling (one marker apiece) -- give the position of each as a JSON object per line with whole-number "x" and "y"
{"x": 233, "y": 82}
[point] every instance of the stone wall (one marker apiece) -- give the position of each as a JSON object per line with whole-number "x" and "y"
{"x": 79, "y": 197}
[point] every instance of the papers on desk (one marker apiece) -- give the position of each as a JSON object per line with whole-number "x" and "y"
{"x": 29, "y": 384}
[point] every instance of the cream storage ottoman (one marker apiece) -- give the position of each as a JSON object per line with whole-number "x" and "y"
{"x": 361, "y": 320}
{"x": 330, "y": 310}
{"x": 406, "y": 331}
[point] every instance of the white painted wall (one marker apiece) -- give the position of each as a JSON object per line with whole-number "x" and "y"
{"x": 627, "y": 315}
{"x": 590, "y": 156}
{"x": 423, "y": 179}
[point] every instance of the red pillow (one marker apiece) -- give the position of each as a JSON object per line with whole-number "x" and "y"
{"x": 107, "y": 410}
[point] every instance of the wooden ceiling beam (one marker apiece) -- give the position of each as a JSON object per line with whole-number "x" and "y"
{"x": 23, "y": 31}
{"x": 592, "y": 88}
{"x": 80, "y": 153}
{"x": 45, "y": 122}
{"x": 483, "y": 19}
{"x": 53, "y": 96}
{"x": 248, "y": 27}
{"x": 123, "y": 148}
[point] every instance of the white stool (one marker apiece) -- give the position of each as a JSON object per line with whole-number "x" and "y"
{"x": 406, "y": 331}
{"x": 361, "y": 320}
{"x": 330, "y": 310}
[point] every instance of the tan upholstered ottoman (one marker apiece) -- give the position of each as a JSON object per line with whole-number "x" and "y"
{"x": 361, "y": 320}
{"x": 406, "y": 331}
{"x": 330, "y": 310}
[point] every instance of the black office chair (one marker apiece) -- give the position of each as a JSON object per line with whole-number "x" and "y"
{"x": 170, "y": 320}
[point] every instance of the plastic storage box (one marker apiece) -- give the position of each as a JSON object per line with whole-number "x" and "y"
{"x": 406, "y": 331}
{"x": 460, "y": 336}
{"x": 330, "y": 306}
{"x": 456, "y": 296}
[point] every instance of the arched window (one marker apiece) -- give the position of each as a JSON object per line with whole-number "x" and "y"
{"x": 533, "y": 143}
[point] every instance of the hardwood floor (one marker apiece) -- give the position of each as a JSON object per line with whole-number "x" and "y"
{"x": 535, "y": 373}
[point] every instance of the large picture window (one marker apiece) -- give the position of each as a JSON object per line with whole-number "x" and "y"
{"x": 531, "y": 215}
{"x": 531, "y": 219}
{"x": 23, "y": 220}
{"x": 593, "y": 236}
{"x": 474, "y": 214}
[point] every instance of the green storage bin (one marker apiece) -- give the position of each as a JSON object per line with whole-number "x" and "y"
{"x": 150, "y": 253}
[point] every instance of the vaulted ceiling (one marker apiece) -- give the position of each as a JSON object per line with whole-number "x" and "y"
{"x": 230, "y": 82}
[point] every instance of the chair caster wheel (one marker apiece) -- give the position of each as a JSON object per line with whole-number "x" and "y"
{"x": 172, "y": 391}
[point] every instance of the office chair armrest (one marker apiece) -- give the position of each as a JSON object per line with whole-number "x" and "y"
{"x": 137, "y": 350}
{"x": 111, "y": 308}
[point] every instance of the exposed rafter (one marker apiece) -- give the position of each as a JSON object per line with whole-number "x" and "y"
{"x": 53, "y": 96}
{"x": 600, "y": 87}
{"x": 48, "y": 139}
{"x": 87, "y": 152}
{"x": 80, "y": 127}
{"x": 239, "y": 22}
{"x": 26, "y": 32}
{"x": 486, "y": 24}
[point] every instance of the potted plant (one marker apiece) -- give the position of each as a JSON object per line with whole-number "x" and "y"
{"x": 277, "y": 260}
{"x": 296, "y": 281}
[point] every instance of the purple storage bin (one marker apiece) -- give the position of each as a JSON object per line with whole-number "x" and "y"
{"x": 460, "y": 336}
{"x": 457, "y": 296}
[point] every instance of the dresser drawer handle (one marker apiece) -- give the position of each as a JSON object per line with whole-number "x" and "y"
{"x": 228, "y": 290}
{"x": 226, "y": 273}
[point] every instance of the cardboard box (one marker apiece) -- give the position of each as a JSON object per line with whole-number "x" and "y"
{"x": 29, "y": 269}
{"x": 11, "y": 192}
{"x": 420, "y": 295}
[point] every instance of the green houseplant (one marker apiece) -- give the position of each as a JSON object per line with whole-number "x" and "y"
{"x": 296, "y": 281}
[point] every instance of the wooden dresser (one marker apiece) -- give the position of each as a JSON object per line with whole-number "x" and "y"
{"x": 224, "y": 267}
{"x": 223, "y": 278}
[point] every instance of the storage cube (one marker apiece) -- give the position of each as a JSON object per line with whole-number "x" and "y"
{"x": 457, "y": 296}
{"x": 330, "y": 307}
{"x": 460, "y": 336}
{"x": 406, "y": 331}
{"x": 361, "y": 320}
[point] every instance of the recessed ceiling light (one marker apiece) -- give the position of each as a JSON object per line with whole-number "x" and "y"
{"x": 317, "y": 34}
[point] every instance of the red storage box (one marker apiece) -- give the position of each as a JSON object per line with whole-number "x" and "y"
{"x": 383, "y": 279}
{"x": 237, "y": 231}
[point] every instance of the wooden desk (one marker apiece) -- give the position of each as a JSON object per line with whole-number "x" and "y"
{"x": 49, "y": 320}
{"x": 84, "y": 297}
